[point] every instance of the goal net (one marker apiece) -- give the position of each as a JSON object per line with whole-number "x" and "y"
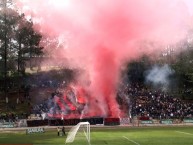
{"x": 80, "y": 130}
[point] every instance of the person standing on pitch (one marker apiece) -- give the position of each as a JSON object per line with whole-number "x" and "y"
{"x": 63, "y": 131}
{"x": 58, "y": 129}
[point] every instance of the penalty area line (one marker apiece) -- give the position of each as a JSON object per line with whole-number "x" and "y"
{"x": 184, "y": 132}
{"x": 131, "y": 140}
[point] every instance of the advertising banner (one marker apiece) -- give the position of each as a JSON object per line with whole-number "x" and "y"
{"x": 112, "y": 121}
{"x": 35, "y": 130}
{"x": 7, "y": 125}
{"x": 167, "y": 121}
{"x": 146, "y": 122}
{"x": 34, "y": 123}
{"x": 93, "y": 121}
{"x": 188, "y": 120}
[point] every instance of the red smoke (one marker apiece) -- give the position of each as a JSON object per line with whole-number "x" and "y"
{"x": 100, "y": 35}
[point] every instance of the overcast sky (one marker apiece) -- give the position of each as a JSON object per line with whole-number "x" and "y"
{"x": 190, "y": 5}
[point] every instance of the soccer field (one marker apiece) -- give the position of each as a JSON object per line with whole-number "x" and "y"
{"x": 108, "y": 136}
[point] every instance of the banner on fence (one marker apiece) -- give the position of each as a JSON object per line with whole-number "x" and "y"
{"x": 56, "y": 122}
{"x": 188, "y": 120}
{"x": 146, "y": 122}
{"x": 70, "y": 122}
{"x": 93, "y": 121}
{"x": 7, "y": 125}
{"x": 35, "y": 130}
{"x": 111, "y": 121}
{"x": 166, "y": 121}
{"x": 34, "y": 123}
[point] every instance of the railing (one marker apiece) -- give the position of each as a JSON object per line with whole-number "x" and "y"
{"x": 95, "y": 121}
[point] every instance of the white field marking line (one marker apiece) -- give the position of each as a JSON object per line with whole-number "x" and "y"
{"x": 184, "y": 132}
{"x": 131, "y": 140}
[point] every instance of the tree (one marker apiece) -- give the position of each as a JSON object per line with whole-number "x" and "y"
{"x": 27, "y": 43}
{"x": 7, "y": 19}
{"x": 19, "y": 42}
{"x": 184, "y": 71}
{"x": 137, "y": 68}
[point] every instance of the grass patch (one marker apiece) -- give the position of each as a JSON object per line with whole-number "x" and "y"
{"x": 108, "y": 136}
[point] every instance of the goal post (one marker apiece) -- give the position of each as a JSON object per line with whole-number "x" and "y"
{"x": 73, "y": 132}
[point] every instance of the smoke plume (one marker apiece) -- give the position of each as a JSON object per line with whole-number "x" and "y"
{"x": 100, "y": 35}
{"x": 159, "y": 76}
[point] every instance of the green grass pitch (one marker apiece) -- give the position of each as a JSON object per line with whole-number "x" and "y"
{"x": 167, "y": 135}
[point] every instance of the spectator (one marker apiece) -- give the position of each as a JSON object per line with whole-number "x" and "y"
{"x": 17, "y": 101}
{"x": 6, "y": 100}
{"x": 63, "y": 131}
{"x": 58, "y": 130}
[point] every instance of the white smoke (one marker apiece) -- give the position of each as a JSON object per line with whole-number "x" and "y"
{"x": 159, "y": 76}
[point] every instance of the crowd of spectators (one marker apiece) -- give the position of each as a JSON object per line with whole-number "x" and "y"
{"x": 10, "y": 117}
{"x": 140, "y": 101}
{"x": 136, "y": 99}
{"x": 57, "y": 104}
{"x": 157, "y": 104}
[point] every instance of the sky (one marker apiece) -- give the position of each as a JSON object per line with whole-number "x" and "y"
{"x": 189, "y": 3}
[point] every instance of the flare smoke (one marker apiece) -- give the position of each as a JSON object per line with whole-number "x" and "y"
{"x": 100, "y": 35}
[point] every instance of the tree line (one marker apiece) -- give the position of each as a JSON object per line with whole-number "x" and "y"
{"x": 19, "y": 44}
{"x": 178, "y": 57}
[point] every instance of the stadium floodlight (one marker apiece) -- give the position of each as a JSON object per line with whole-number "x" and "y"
{"x": 80, "y": 127}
